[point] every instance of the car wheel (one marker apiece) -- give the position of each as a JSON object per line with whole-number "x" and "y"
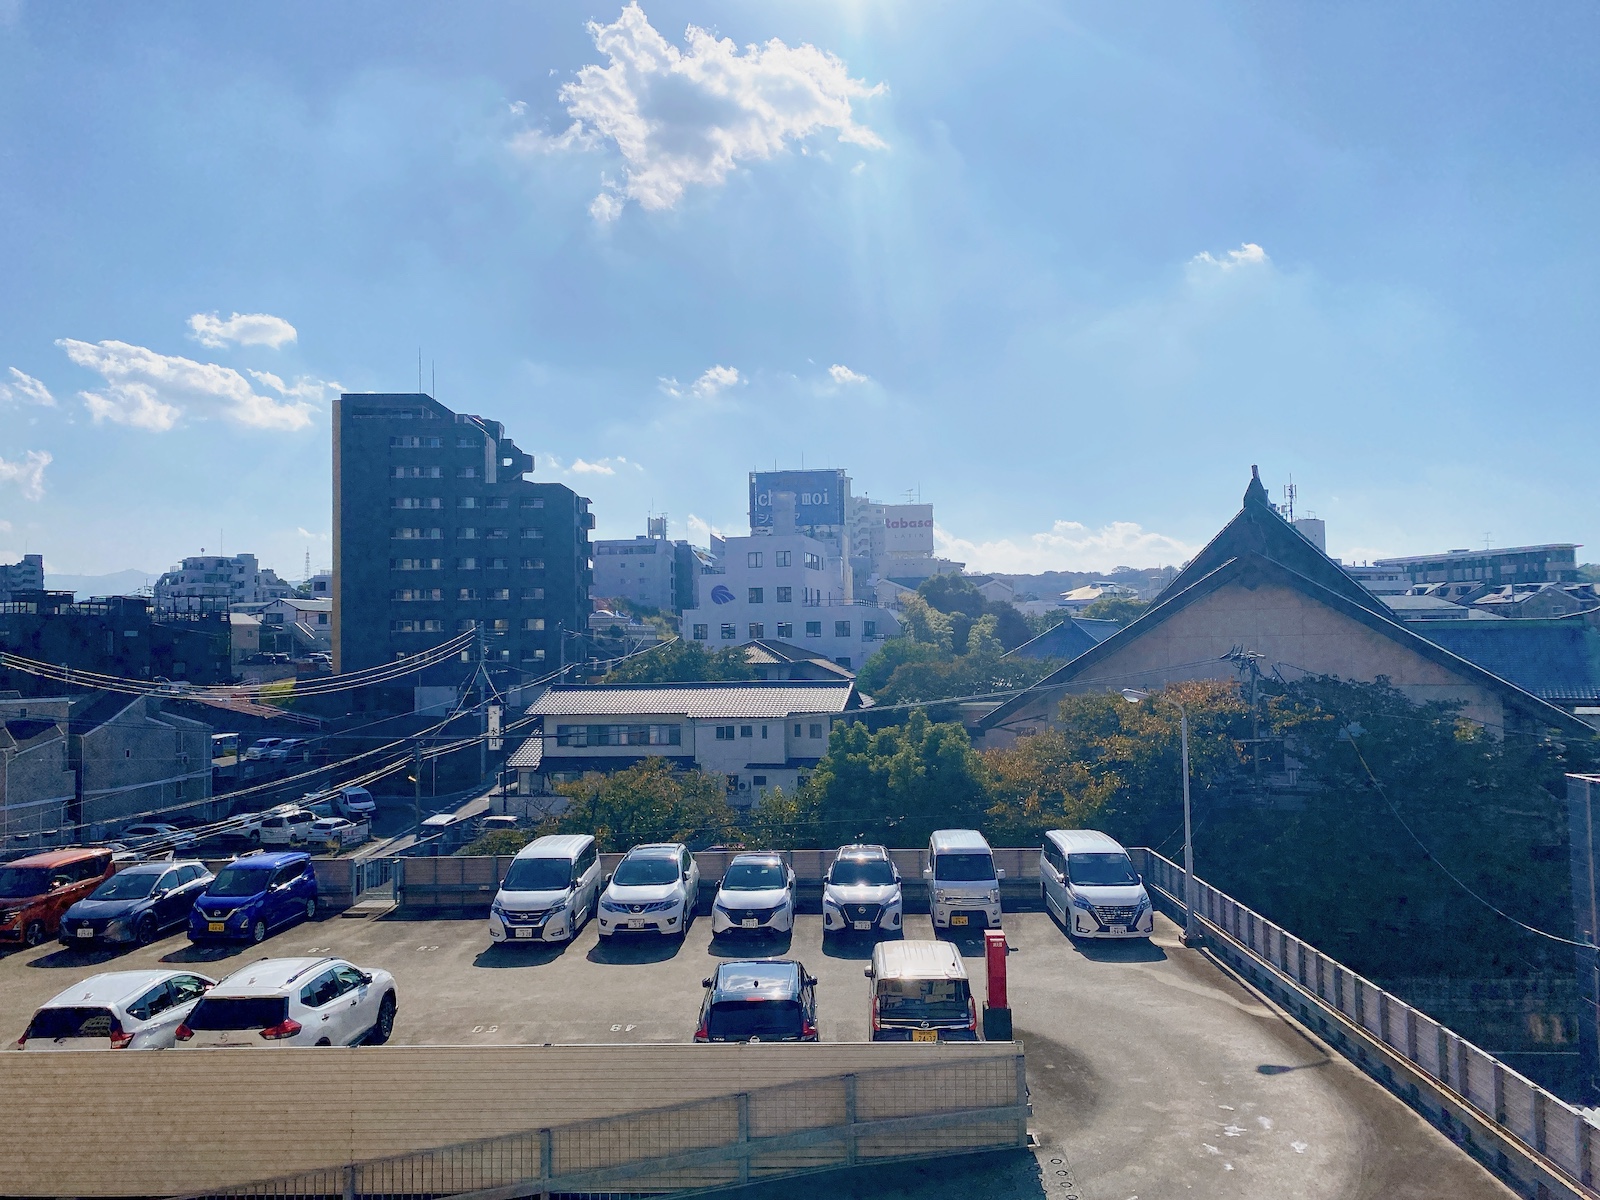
{"x": 311, "y": 909}
{"x": 33, "y": 935}
{"x": 145, "y": 932}
{"x": 255, "y": 837}
{"x": 384, "y": 1027}
{"x": 324, "y": 1042}
{"x": 258, "y": 931}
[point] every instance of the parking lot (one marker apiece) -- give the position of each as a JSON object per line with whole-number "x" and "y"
{"x": 1151, "y": 1072}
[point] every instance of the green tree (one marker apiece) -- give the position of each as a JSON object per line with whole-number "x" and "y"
{"x": 651, "y": 801}
{"x": 1124, "y": 610}
{"x": 499, "y": 841}
{"x": 682, "y": 662}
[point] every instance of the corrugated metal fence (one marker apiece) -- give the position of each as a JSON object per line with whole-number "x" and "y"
{"x": 1533, "y": 1139}
{"x": 817, "y": 1124}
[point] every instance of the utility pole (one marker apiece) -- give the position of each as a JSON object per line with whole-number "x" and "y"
{"x": 416, "y": 783}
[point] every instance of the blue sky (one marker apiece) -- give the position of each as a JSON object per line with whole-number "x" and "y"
{"x": 1067, "y": 269}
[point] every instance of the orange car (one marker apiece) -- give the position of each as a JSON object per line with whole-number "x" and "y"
{"x": 36, "y": 890}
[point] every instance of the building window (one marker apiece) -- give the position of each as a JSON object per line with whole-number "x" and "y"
{"x": 536, "y": 624}
{"x": 781, "y": 557}
{"x": 533, "y": 656}
{"x": 495, "y": 533}
{"x": 702, "y": 632}
{"x": 843, "y": 661}
{"x": 756, "y": 630}
{"x": 727, "y": 631}
{"x": 467, "y": 533}
{"x": 500, "y": 625}
{"x": 499, "y": 593}
{"x": 415, "y": 502}
{"x": 533, "y": 533}
{"x": 758, "y": 780}
{"x": 813, "y": 628}
{"x": 747, "y": 731}
{"x": 496, "y": 564}
{"x": 725, "y": 733}
{"x": 816, "y": 730}
{"x": 466, "y": 502}
{"x": 534, "y": 564}
{"x": 467, "y": 594}
{"x": 415, "y": 473}
{"x": 532, "y": 593}
{"x": 411, "y": 535}
{"x": 413, "y": 564}
{"x": 753, "y": 558}
{"x": 869, "y": 631}
{"x": 466, "y": 564}
{"x": 414, "y": 443}
{"x": 533, "y": 502}
{"x": 403, "y": 594}
{"x": 433, "y": 627}
{"x": 797, "y": 729}
{"x": 786, "y": 595}
{"x": 841, "y": 629}
{"x": 462, "y": 625}
{"x": 813, "y": 561}
{"x": 757, "y": 595}
{"x": 498, "y": 502}
{"x": 786, "y": 629}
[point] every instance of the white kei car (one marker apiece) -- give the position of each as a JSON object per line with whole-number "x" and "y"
{"x": 117, "y": 1010}
{"x": 756, "y": 896}
{"x": 294, "y": 1002}
{"x": 655, "y": 889}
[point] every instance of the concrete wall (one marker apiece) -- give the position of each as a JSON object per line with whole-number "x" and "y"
{"x": 258, "y": 1114}
{"x": 140, "y": 761}
{"x": 36, "y": 782}
{"x": 1292, "y": 630}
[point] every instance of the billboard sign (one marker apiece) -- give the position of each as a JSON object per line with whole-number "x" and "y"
{"x": 908, "y": 529}
{"x": 818, "y": 497}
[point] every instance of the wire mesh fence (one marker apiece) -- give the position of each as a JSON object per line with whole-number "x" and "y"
{"x": 903, "y": 1112}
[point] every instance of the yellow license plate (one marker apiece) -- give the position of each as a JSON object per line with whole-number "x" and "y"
{"x": 215, "y": 926}
{"x": 924, "y": 1035}
{"x": 958, "y": 920}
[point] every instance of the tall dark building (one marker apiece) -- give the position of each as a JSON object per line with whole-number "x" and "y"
{"x": 435, "y": 531}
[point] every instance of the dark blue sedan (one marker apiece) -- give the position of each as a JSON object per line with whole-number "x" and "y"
{"x": 135, "y": 905}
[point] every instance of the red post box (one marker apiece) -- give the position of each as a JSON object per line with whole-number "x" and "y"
{"x": 994, "y": 955}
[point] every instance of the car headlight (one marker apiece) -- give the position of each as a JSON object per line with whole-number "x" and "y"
{"x": 560, "y": 904}
{"x": 495, "y": 908}
{"x": 938, "y": 896}
{"x": 994, "y": 895}
{"x": 9, "y": 914}
{"x": 1079, "y": 902}
{"x": 609, "y": 906}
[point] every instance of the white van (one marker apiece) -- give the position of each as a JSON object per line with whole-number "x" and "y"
{"x": 550, "y": 891}
{"x": 963, "y": 884}
{"x": 1087, "y": 880}
{"x": 919, "y": 992}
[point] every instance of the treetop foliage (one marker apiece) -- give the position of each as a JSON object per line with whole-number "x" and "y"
{"x": 682, "y": 661}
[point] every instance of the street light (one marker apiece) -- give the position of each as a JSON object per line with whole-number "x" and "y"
{"x": 1191, "y": 932}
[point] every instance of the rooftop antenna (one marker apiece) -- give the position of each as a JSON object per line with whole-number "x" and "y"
{"x": 1289, "y": 494}
{"x": 308, "y": 562}
{"x": 433, "y": 374}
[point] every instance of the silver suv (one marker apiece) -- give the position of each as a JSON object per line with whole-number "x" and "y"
{"x": 861, "y": 892}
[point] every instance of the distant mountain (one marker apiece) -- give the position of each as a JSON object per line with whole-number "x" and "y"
{"x": 118, "y": 583}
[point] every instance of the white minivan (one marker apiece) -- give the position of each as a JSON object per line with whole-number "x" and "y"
{"x": 1087, "y": 880}
{"x": 963, "y": 883}
{"x": 550, "y": 890}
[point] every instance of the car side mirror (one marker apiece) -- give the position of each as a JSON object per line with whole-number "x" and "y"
{"x": 868, "y": 972}
{"x": 811, "y": 981}
{"x": 706, "y": 982}
{"x": 927, "y": 872}
{"x": 686, "y": 877}
{"x": 160, "y": 894}
{"x": 366, "y": 978}
{"x": 1000, "y": 874}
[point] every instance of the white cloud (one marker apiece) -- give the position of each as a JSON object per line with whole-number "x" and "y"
{"x": 599, "y": 466}
{"x": 154, "y": 391}
{"x": 1068, "y": 546}
{"x": 700, "y": 530}
{"x": 580, "y": 467}
{"x": 27, "y": 473}
{"x": 25, "y": 388}
{"x": 1247, "y": 255}
{"x": 241, "y": 329}
{"x": 303, "y": 388}
{"x": 312, "y": 537}
{"x": 712, "y": 381}
{"x": 843, "y": 375}
{"x": 685, "y": 117}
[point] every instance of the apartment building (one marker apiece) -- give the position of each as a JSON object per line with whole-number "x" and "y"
{"x": 211, "y": 582}
{"x": 437, "y": 530}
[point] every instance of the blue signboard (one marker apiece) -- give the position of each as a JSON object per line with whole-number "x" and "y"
{"x": 818, "y": 496}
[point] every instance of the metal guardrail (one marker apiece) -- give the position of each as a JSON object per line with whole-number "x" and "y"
{"x": 1533, "y": 1140}
{"x": 754, "y": 1136}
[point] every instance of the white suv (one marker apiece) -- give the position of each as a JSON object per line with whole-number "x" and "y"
{"x": 292, "y": 828}
{"x": 294, "y": 1002}
{"x": 655, "y": 888}
{"x": 549, "y": 892}
{"x": 119, "y": 1010}
{"x": 756, "y": 895}
{"x": 862, "y": 892}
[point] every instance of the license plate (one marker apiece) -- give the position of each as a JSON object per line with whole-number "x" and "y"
{"x": 216, "y": 926}
{"x": 1119, "y": 929}
{"x": 86, "y": 933}
{"x": 958, "y": 920}
{"x": 862, "y": 925}
{"x": 750, "y": 923}
{"x": 635, "y": 923}
{"x": 924, "y": 1035}
{"x": 522, "y": 933}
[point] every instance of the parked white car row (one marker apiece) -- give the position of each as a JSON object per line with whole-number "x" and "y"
{"x": 273, "y": 1002}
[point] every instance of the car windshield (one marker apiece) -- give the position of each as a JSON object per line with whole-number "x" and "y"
{"x": 755, "y": 876}
{"x": 538, "y": 875}
{"x": 646, "y": 870}
{"x": 24, "y": 881}
{"x": 1100, "y": 870}
{"x": 70, "y": 1023}
{"x": 253, "y": 1012}
{"x": 239, "y": 881}
{"x": 963, "y": 868}
{"x": 741, "y": 1020}
{"x": 130, "y": 885}
{"x": 861, "y": 872}
{"x": 923, "y": 999}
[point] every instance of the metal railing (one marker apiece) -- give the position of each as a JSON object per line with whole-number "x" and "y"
{"x": 1531, "y": 1138}
{"x": 816, "y": 1124}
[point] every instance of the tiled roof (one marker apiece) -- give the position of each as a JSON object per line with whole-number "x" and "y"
{"x": 529, "y": 754}
{"x": 1066, "y": 640}
{"x": 1557, "y": 659}
{"x": 699, "y": 701}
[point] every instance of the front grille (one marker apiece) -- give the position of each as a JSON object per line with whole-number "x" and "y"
{"x": 653, "y": 907}
{"x": 861, "y": 912}
{"x": 753, "y": 914}
{"x": 527, "y": 918}
{"x": 1120, "y": 914}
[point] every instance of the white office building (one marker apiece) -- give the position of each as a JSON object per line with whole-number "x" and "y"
{"x": 786, "y": 587}
{"x": 212, "y": 582}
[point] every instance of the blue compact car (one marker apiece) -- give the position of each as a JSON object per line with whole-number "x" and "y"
{"x": 135, "y": 905}
{"x": 255, "y": 895}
